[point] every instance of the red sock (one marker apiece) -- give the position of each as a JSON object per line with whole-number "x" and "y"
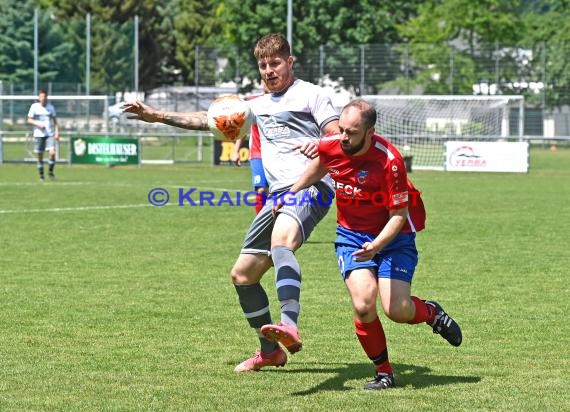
{"x": 258, "y": 203}
{"x": 373, "y": 341}
{"x": 424, "y": 313}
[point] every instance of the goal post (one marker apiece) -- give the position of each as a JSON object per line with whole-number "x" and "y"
{"x": 94, "y": 116}
{"x": 75, "y": 111}
{"x": 86, "y": 113}
{"x": 420, "y": 126}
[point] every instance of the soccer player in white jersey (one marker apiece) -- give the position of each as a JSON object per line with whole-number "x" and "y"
{"x": 291, "y": 117}
{"x": 43, "y": 118}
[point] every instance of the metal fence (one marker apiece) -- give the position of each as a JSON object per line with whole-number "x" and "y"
{"x": 383, "y": 69}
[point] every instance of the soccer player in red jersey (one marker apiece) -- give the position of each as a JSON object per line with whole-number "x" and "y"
{"x": 379, "y": 212}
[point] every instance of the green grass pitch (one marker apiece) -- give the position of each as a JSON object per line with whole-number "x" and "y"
{"x": 108, "y": 303}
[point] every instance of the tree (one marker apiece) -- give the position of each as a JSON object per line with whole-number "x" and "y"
{"x": 549, "y": 38}
{"x": 452, "y": 42}
{"x": 327, "y": 23}
{"x": 113, "y": 39}
{"x": 17, "y": 47}
{"x": 16, "y": 41}
{"x": 196, "y": 28}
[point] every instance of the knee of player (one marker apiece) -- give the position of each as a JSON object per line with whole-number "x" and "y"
{"x": 286, "y": 233}
{"x": 239, "y": 277}
{"x": 364, "y": 309}
{"x": 400, "y": 312}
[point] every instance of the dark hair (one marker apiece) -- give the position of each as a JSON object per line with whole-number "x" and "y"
{"x": 367, "y": 111}
{"x": 270, "y": 45}
{"x": 43, "y": 91}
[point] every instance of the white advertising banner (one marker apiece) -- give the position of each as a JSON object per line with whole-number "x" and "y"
{"x": 486, "y": 156}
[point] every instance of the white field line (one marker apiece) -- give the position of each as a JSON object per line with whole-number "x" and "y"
{"x": 107, "y": 184}
{"x": 70, "y": 209}
{"x": 108, "y": 207}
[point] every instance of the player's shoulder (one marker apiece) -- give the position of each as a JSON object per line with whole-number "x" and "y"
{"x": 385, "y": 147}
{"x": 330, "y": 138}
{"x": 304, "y": 83}
{"x": 254, "y": 99}
{"x": 34, "y": 107}
{"x": 305, "y": 88}
{"x": 328, "y": 143}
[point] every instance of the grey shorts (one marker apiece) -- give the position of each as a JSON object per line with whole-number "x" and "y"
{"x": 308, "y": 207}
{"x": 41, "y": 144}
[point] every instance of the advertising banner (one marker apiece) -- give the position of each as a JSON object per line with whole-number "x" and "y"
{"x": 105, "y": 150}
{"x": 223, "y": 150}
{"x": 486, "y": 156}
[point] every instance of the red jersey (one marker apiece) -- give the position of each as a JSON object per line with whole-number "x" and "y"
{"x": 254, "y": 142}
{"x": 368, "y": 186}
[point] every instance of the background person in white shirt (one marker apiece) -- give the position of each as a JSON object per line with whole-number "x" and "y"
{"x": 43, "y": 118}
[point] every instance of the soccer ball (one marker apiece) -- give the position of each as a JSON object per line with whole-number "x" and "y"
{"x": 229, "y": 118}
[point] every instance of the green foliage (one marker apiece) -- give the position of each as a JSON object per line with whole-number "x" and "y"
{"x": 195, "y": 26}
{"x": 113, "y": 40}
{"x": 447, "y": 46}
{"x": 548, "y": 36}
{"x": 17, "y": 41}
{"x": 317, "y": 23}
{"x": 459, "y": 34}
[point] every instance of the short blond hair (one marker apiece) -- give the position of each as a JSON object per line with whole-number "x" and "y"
{"x": 270, "y": 45}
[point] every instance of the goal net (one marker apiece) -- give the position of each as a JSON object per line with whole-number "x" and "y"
{"x": 419, "y": 126}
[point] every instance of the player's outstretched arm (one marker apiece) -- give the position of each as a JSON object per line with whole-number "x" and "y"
{"x": 184, "y": 120}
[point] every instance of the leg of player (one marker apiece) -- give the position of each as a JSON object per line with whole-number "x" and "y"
{"x": 445, "y": 325}
{"x": 40, "y": 166}
{"x": 362, "y": 286}
{"x": 246, "y": 275}
{"x": 39, "y": 147}
{"x": 51, "y": 161}
{"x": 400, "y": 307}
{"x": 286, "y": 238}
{"x": 397, "y": 266}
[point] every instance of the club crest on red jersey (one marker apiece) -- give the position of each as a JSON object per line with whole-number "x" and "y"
{"x": 362, "y": 176}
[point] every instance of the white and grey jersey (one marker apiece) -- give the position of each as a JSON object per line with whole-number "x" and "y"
{"x": 286, "y": 121}
{"x": 45, "y": 114}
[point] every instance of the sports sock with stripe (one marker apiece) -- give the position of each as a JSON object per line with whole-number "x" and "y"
{"x": 288, "y": 283}
{"x": 373, "y": 341}
{"x": 424, "y": 312}
{"x": 255, "y": 306}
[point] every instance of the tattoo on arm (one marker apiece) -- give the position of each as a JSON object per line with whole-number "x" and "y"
{"x": 191, "y": 121}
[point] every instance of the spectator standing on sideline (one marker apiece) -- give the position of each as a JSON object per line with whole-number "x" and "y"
{"x": 291, "y": 117}
{"x": 43, "y": 118}
{"x": 379, "y": 212}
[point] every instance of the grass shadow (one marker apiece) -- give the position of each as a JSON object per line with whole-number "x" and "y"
{"x": 406, "y": 375}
